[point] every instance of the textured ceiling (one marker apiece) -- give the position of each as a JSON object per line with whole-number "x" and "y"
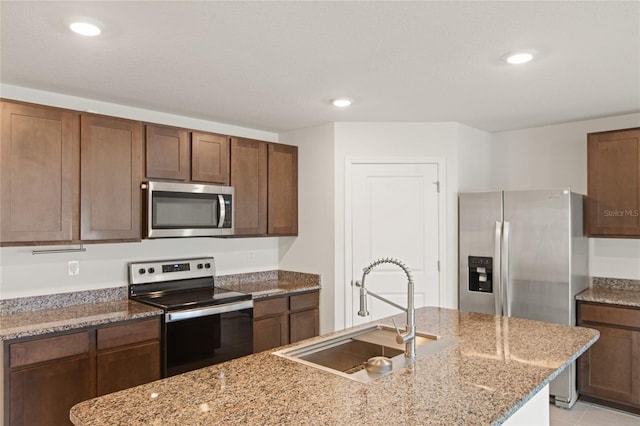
{"x": 275, "y": 65}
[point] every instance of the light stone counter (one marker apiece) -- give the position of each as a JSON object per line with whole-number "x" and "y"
{"x": 612, "y": 291}
{"x": 43, "y": 321}
{"x": 497, "y": 365}
{"x": 270, "y": 283}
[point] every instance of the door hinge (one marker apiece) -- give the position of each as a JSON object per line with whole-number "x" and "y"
{"x": 437, "y": 184}
{"x": 438, "y": 266}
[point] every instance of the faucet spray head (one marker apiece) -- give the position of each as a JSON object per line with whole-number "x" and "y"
{"x": 363, "y": 312}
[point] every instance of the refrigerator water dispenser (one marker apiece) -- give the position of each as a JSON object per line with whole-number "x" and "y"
{"x": 480, "y": 274}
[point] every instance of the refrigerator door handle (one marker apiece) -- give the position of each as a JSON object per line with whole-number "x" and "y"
{"x": 497, "y": 269}
{"x": 506, "y": 282}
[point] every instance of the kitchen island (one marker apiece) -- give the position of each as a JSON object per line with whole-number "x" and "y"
{"x": 496, "y": 366}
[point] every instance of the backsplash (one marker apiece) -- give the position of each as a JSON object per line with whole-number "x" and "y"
{"x": 618, "y": 283}
{"x": 62, "y": 300}
{"x": 299, "y": 277}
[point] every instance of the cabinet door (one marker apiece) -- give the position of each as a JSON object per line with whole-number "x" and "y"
{"x": 111, "y": 174}
{"x": 249, "y": 179}
{"x": 210, "y": 158}
{"x": 44, "y": 395}
{"x": 609, "y": 369}
{"x": 167, "y": 153}
{"x": 613, "y": 160}
{"x": 127, "y": 367}
{"x": 282, "y": 218}
{"x": 39, "y": 190}
{"x": 270, "y": 333}
{"x": 304, "y": 324}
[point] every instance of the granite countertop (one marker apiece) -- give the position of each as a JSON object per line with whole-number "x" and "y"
{"x": 43, "y": 321}
{"x": 612, "y": 291}
{"x": 612, "y": 296}
{"x": 38, "y": 315}
{"x": 270, "y": 283}
{"x": 495, "y": 367}
{"x": 271, "y": 288}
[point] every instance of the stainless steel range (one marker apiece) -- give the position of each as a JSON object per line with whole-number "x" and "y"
{"x": 202, "y": 324}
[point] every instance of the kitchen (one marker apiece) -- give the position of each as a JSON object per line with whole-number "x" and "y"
{"x": 536, "y": 156}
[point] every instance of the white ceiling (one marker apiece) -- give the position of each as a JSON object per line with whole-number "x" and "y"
{"x": 275, "y": 65}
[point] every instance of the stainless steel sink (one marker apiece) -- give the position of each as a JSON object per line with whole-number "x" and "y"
{"x": 345, "y": 354}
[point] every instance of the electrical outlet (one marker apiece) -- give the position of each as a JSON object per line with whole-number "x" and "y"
{"x": 74, "y": 267}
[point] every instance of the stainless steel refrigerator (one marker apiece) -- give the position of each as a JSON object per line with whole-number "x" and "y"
{"x": 523, "y": 254}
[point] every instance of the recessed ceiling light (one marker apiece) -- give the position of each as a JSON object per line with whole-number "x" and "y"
{"x": 85, "y": 29}
{"x": 521, "y": 57}
{"x": 341, "y": 102}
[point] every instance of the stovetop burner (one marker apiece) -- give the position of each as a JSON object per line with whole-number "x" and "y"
{"x": 192, "y": 298}
{"x": 179, "y": 284}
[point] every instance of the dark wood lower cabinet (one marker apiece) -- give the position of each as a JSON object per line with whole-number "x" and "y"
{"x": 609, "y": 372}
{"x": 44, "y": 395}
{"x": 304, "y": 325}
{"x": 287, "y": 319}
{"x": 125, "y": 368}
{"x": 45, "y": 376}
{"x": 270, "y": 332}
{"x": 304, "y": 317}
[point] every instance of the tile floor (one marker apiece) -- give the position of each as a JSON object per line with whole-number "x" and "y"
{"x": 588, "y": 414}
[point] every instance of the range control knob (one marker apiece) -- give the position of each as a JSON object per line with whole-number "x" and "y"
{"x": 207, "y": 265}
{"x": 152, "y": 270}
{"x": 199, "y": 265}
{"x": 141, "y": 271}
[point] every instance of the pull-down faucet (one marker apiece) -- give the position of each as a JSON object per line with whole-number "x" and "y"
{"x": 408, "y": 338}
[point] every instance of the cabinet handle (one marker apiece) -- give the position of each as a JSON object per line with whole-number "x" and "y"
{"x": 80, "y": 249}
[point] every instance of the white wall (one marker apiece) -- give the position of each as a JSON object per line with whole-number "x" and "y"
{"x": 556, "y": 156}
{"x": 320, "y": 246}
{"x": 398, "y": 140}
{"x": 24, "y": 94}
{"x": 312, "y": 250}
{"x": 104, "y": 265}
{"x": 474, "y": 160}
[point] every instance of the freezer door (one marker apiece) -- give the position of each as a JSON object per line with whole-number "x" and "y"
{"x": 479, "y": 218}
{"x": 539, "y": 255}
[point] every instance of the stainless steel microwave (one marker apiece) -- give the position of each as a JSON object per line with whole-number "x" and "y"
{"x": 187, "y": 210}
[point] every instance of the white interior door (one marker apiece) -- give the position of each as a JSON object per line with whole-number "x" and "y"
{"x": 394, "y": 213}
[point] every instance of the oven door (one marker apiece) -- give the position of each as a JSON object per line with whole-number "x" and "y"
{"x": 196, "y": 338}
{"x": 188, "y": 210}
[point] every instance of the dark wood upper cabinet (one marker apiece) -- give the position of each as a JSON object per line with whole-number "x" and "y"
{"x": 282, "y": 190}
{"x": 39, "y": 161}
{"x": 110, "y": 176}
{"x": 210, "y": 158}
{"x": 613, "y": 203}
{"x": 69, "y": 177}
{"x": 167, "y": 153}
{"x": 249, "y": 179}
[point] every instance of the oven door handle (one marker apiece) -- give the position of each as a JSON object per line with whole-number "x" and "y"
{"x": 210, "y": 310}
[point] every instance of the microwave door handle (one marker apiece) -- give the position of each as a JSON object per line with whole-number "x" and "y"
{"x": 222, "y": 210}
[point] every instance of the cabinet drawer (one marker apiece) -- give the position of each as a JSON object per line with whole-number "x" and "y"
{"x": 47, "y": 349}
{"x": 276, "y": 306}
{"x": 610, "y": 315}
{"x": 128, "y": 334}
{"x": 305, "y": 301}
